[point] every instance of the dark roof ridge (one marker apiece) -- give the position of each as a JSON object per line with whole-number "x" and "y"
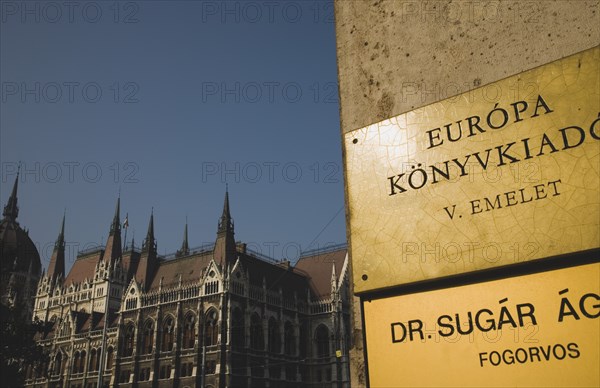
{"x": 322, "y": 251}
{"x": 163, "y": 261}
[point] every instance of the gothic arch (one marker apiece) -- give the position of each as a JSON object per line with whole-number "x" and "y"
{"x": 274, "y": 336}
{"x": 168, "y": 331}
{"x": 147, "y": 336}
{"x": 289, "y": 339}
{"x": 211, "y": 327}
{"x": 76, "y": 362}
{"x": 94, "y": 360}
{"x": 58, "y": 363}
{"x": 257, "y": 340}
{"x": 82, "y": 361}
{"x": 128, "y": 340}
{"x": 322, "y": 341}
{"x": 109, "y": 358}
{"x": 238, "y": 329}
{"x": 189, "y": 331}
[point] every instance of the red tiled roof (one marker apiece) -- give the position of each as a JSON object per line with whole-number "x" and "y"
{"x": 131, "y": 259}
{"x": 319, "y": 267}
{"x": 190, "y": 268}
{"x": 275, "y": 275}
{"x": 83, "y": 268}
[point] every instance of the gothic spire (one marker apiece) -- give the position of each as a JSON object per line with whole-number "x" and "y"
{"x": 226, "y": 222}
{"x": 56, "y": 268}
{"x": 113, "y": 243}
{"x": 148, "y": 259}
{"x": 116, "y": 223}
{"x": 226, "y": 203}
{"x": 150, "y": 242}
{"x": 150, "y": 234}
{"x": 11, "y": 210}
{"x": 60, "y": 241}
{"x": 185, "y": 248}
{"x": 225, "y": 247}
{"x": 333, "y": 278}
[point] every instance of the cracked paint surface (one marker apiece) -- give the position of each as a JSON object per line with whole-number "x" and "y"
{"x": 409, "y": 236}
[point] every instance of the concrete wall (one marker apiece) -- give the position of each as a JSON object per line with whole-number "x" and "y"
{"x": 395, "y": 56}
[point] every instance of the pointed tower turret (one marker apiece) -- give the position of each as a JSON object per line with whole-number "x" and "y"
{"x": 148, "y": 259}
{"x": 226, "y": 223}
{"x": 333, "y": 279}
{"x": 112, "y": 250}
{"x": 116, "y": 223}
{"x": 149, "y": 243}
{"x": 225, "y": 249}
{"x": 185, "y": 248}
{"x": 11, "y": 210}
{"x": 56, "y": 268}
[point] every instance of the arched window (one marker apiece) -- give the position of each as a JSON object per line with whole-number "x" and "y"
{"x": 289, "y": 340}
{"x": 54, "y": 326}
{"x": 98, "y": 357}
{"x": 189, "y": 331}
{"x": 58, "y": 364}
{"x": 93, "y": 360}
{"x": 42, "y": 370}
{"x": 82, "y": 362}
{"x": 322, "y": 341}
{"x": 109, "y": 358}
{"x": 128, "y": 340}
{"x": 211, "y": 328}
{"x": 257, "y": 340}
{"x": 274, "y": 336}
{"x": 167, "y": 334}
{"x": 147, "y": 337}
{"x": 65, "y": 329}
{"x": 76, "y": 362}
{"x": 238, "y": 328}
{"x": 304, "y": 339}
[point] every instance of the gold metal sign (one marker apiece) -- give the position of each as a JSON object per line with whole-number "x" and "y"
{"x": 540, "y": 330}
{"x": 503, "y": 174}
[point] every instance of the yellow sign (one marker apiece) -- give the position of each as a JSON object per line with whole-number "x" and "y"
{"x": 540, "y": 330}
{"x": 506, "y": 173}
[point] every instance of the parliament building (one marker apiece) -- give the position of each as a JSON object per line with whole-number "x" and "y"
{"x": 219, "y": 315}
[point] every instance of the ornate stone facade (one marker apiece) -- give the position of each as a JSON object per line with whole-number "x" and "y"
{"x": 215, "y": 316}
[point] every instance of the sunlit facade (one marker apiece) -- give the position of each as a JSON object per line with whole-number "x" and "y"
{"x": 218, "y": 315}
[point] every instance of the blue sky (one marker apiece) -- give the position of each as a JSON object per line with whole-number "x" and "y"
{"x": 167, "y": 102}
